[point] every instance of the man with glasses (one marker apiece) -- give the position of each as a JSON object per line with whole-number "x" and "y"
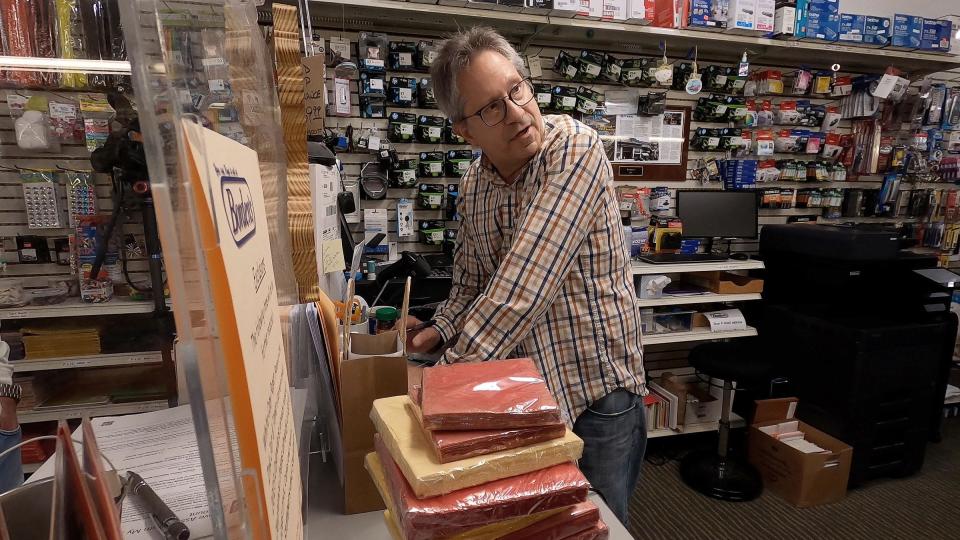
{"x": 540, "y": 268}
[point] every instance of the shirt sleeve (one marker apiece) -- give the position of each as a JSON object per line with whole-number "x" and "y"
{"x": 468, "y": 280}
{"x": 546, "y": 245}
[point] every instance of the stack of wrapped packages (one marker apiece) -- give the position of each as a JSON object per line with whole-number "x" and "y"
{"x": 479, "y": 452}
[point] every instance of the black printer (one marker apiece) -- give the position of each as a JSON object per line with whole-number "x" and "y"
{"x": 864, "y": 332}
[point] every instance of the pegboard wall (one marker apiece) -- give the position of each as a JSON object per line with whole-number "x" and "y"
{"x": 354, "y": 160}
{"x": 13, "y": 212}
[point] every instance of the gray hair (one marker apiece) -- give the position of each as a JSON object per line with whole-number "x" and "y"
{"x": 455, "y": 55}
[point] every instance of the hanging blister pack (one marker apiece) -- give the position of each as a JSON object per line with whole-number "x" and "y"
{"x": 403, "y": 92}
{"x": 430, "y": 129}
{"x": 588, "y": 100}
{"x": 564, "y": 98}
{"x": 425, "y": 94}
{"x": 405, "y": 218}
{"x": 590, "y": 65}
{"x": 612, "y": 69}
{"x": 637, "y": 72}
{"x": 543, "y": 92}
{"x": 41, "y": 197}
{"x": 373, "y": 52}
{"x": 453, "y": 193}
{"x": 427, "y": 52}
{"x": 450, "y": 136}
{"x": 431, "y": 165}
{"x": 81, "y": 195}
{"x": 404, "y": 173}
{"x": 401, "y": 55}
{"x": 432, "y": 232}
{"x": 566, "y": 65}
{"x": 373, "y": 85}
{"x": 430, "y": 196}
{"x": 400, "y": 128}
{"x": 458, "y": 161}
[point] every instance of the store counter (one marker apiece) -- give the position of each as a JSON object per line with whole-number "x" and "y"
{"x": 323, "y": 513}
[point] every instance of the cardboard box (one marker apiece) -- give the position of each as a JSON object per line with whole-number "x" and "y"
{"x": 725, "y": 282}
{"x": 766, "y": 15}
{"x": 698, "y": 402}
{"x": 711, "y": 14}
{"x": 540, "y": 7}
{"x": 876, "y": 31}
{"x": 852, "y": 27}
{"x": 907, "y": 30}
{"x": 801, "y": 479}
{"x": 935, "y": 35}
{"x": 640, "y": 11}
{"x": 565, "y": 8}
{"x": 784, "y": 21}
{"x": 742, "y": 15}
{"x": 590, "y": 9}
{"x": 615, "y": 10}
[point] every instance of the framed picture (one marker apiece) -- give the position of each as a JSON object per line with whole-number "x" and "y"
{"x": 649, "y": 147}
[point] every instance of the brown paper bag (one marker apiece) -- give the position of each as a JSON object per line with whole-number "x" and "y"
{"x": 371, "y": 367}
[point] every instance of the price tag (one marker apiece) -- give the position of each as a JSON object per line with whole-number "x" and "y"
{"x": 435, "y": 199}
{"x": 535, "y": 67}
{"x": 374, "y": 63}
{"x": 406, "y": 59}
{"x": 435, "y": 167}
{"x": 215, "y": 61}
{"x": 373, "y": 143}
{"x": 78, "y": 363}
{"x": 376, "y": 84}
{"x": 406, "y": 129}
{"x": 406, "y": 94}
{"x": 63, "y": 111}
{"x": 14, "y": 314}
{"x": 434, "y": 132}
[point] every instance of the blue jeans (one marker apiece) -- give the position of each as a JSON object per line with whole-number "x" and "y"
{"x": 11, "y": 468}
{"x": 614, "y": 433}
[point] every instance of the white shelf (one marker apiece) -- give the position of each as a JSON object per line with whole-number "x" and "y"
{"x": 867, "y": 219}
{"x": 572, "y": 32}
{"x": 65, "y": 65}
{"x": 700, "y": 334}
{"x": 696, "y": 299}
{"x": 641, "y": 268}
{"x": 74, "y": 307}
{"x": 96, "y": 360}
{"x": 735, "y": 422}
{"x": 92, "y": 411}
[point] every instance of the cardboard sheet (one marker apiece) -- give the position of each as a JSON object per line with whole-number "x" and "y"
{"x": 457, "y": 512}
{"x": 455, "y": 445}
{"x": 403, "y": 437}
{"x": 498, "y": 394}
{"x": 494, "y": 531}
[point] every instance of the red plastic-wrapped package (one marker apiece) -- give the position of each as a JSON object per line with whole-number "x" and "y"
{"x": 499, "y": 394}
{"x": 574, "y": 520}
{"x": 19, "y": 33}
{"x": 465, "y": 509}
{"x": 600, "y": 531}
{"x": 453, "y": 445}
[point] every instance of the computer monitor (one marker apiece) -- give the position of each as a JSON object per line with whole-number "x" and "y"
{"x": 717, "y": 214}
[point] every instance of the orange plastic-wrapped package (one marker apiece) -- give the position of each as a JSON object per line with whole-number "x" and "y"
{"x": 600, "y": 531}
{"x": 577, "y": 519}
{"x": 499, "y": 394}
{"x": 465, "y": 509}
{"x": 453, "y": 445}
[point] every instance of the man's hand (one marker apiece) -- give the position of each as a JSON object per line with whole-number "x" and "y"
{"x": 421, "y": 341}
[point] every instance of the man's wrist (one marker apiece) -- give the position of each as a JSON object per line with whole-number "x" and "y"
{"x": 444, "y": 327}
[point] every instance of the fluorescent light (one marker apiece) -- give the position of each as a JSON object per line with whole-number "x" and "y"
{"x": 32, "y": 63}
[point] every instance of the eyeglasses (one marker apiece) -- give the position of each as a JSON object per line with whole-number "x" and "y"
{"x": 494, "y": 112}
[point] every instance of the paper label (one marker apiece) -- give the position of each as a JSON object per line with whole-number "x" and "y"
{"x": 713, "y": 141}
{"x": 434, "y": 132}
{"x": 726, "y": 320}
{"x": 373, "y": 62}
{"x": 376, "y": 84}
{"x": 406, "y": 94}
{"x": 571, "y": 71}
{"x": 406, "y": 59}
{"x": 463, "y": 165}
{"x": 435, "y": 167}
{"x": 406, "y": 129}
{"x": 593, "y": 69}
{"x": 436, "y": 236}
{"x": 568, "y": 101}
{"x": 408, "y": 175}
{"x": 434, "y": 199}
{"x": 535, "y": 67}
{"x": 215, "y": 61}
{"x": 543, "y": 98}
{"x": 721, "y": 109}
{"x": 63, "y": 111}
{"x": 373, "y": 143}
{"x": 341, "y": 46}
{"x": 614, "y": 70}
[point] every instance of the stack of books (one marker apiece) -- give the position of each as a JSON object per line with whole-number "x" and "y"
{"x": 479, "y": 451}
{"x": 57, "y": 341}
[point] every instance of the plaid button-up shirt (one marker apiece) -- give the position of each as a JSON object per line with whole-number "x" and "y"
{"x": 541, "y": 270}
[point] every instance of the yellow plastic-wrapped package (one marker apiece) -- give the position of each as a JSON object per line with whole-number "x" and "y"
{"x": 399, "y": 427}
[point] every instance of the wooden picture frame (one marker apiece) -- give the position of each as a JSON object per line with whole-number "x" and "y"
{"x": 634, "y": 171}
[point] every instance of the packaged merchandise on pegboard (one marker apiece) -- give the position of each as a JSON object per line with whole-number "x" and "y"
{"x": 427, "y": 52}
{"x": 450, "y": 136}
{"x": 81, "y": 195}
{"x": 41, "y": 197}
{"x": 89, "y": 235}
{"x": 373, "y": 52}
{"x": 431, "y": 232}
{"x": 430, "y": 129}
{"x": 402, "y": 92}
{"x": 31, "y": 122}
{"x": 425, "y": 94}
{"x": 453, "y": 194}
{"x": 404, "y": 173}
{"x": 431, "y": 165}
{"x": 431, "y": 196}
{"x": 401, "y": 127}
{"x": 458, "y": 161}
{"x": 401, "y": 56}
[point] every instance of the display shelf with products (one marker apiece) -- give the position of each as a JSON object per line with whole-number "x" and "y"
{"x": 74, "y": 307}
{"x": 89, "y": 411}
{"x": 641, "y": 268}
{"x": 700, "y": 334}
{"x": 89, "y": 361}
{"x": 736, "y": 421}
{"x": 706, "y": 298}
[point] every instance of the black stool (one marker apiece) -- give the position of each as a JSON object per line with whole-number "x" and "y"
{"x": 716, "y": 474}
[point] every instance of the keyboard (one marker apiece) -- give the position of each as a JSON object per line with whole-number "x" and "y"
{"x": 674, "y": 258}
